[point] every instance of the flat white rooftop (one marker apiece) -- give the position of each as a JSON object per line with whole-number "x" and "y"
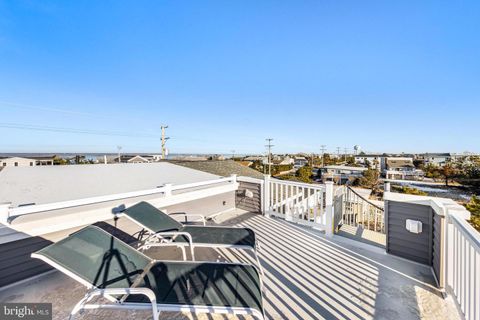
{"x": 47, "y": 184}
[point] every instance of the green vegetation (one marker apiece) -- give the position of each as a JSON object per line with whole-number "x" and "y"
{"x": 409, "y": 190}
{"x": 474, "y": 207}
{"x": 369, "y": 180}
{"x": 60, "y": 161}
{"x": 304, "y": 174}
{"x": 276, "y": 169}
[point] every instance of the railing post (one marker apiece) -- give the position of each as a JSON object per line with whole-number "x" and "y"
{"x": 234, "y": 178}
{"x": 167, "y": 189}
{"x": 266, "y": 195}
{"x": 386, "y": 187}
{"x": 329, "y": 227}
{"x": 5, "y": 212}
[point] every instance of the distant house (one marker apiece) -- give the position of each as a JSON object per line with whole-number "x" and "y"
{"x": 134, "y": 159}
{"x": 26, "y": 162}
{"x": 254, "y": 158}
{"x": 436, "y": 159}
{"x": 373, "y": 161}
{"x": 341, "y": 174}
{"x": 300, "y": 162}
{"x": 401, "y": 169}
{"x": 286, "y": 161}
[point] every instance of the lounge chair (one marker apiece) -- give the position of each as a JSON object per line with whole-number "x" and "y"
{"x": 164, "y": 230}
{"x": 129, "y": 279}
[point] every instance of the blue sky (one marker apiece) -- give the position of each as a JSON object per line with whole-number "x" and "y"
{"x": 225, "y": 75}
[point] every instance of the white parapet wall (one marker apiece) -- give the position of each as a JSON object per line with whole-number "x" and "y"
{"x": 22, "y": 222}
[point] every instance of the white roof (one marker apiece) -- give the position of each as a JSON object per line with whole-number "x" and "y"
{"x": 47, "y": 184}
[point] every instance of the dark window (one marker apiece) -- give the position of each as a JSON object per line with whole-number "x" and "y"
{"x": 31, "y": 164}
{"x": 4, "y": 164}
{"x": 16, "y": 164}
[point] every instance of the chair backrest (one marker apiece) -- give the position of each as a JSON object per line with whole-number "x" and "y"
{"x": 97, "y": 257}
{"x": 152, "y": 218}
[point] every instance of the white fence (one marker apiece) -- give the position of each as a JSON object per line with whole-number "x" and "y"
{"x": 302, "y": 203}
{"x": 358, "y": 211}
{"x": 463, "y": 265}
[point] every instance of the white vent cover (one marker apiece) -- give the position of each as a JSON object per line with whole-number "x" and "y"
{"x": 414, "y": 226}
{"x": 248, "y": 193}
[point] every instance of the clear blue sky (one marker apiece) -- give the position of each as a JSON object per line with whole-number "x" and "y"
{"x": 390, "y": 76}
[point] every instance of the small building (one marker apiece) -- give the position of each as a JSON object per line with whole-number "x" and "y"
{"x": 135, "y": 159}
{"x": 402, "y": 169}
{"x": 299, "y": 162}
{"x": 26, "y": 162}
{"x": 373, "y": 161}
{"x": 17, "y": 162}
{"x": 286, "y": 161}
{"x": 341, "y": 174}
{"x": 436, "y": 159}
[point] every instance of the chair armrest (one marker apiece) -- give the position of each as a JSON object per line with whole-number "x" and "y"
{"x": 186, "y": 215}
{"x": 173, "y": 235}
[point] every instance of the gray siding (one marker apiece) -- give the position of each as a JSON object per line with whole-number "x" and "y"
{"x": 401, "y": 242}
{"x": 251, "y": 204}
{"x": 16, "y": 263}
{"x": 438, "y": 227}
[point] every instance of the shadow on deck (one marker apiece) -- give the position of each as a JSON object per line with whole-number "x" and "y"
{"x": 307, "y": 276}
{"x": 363, "y": 235}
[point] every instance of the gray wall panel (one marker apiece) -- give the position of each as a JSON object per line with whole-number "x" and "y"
{"x": 250, "y": 204}
{"x": 401, "y": 242}
{"x": 16, "y": 263}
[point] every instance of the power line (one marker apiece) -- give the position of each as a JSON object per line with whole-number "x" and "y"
{"x": 29, "y": 127}
{"x": 49, "y": 109}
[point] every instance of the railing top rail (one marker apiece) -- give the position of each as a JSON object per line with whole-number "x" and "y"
{"x": 250, "y": 179}
{"x": 299, "y": 184}
{"x": 366, "y": 200}
{"x": 18, "y": 211}
{"x": 466, "y": 229}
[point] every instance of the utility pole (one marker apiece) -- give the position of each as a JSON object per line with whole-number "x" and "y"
{"x": 119, "y": 148}
{"x": 345, "y": 150}
{"x": 338, "y": 153}
{"x": 269, "y": 145}
{"x": 164, "y": 141}
{"x": 323, "y": 148}
{"x": 233, "y": 155}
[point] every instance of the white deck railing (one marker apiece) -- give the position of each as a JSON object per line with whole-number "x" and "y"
{"x": 302, "y": 203}
{"x": 463, "y": 265}
{"x": 359, "y": 211}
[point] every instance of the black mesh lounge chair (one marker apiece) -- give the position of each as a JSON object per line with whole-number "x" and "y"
{"x": 112, "y": 269}
{"x": 164, "y": 230}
